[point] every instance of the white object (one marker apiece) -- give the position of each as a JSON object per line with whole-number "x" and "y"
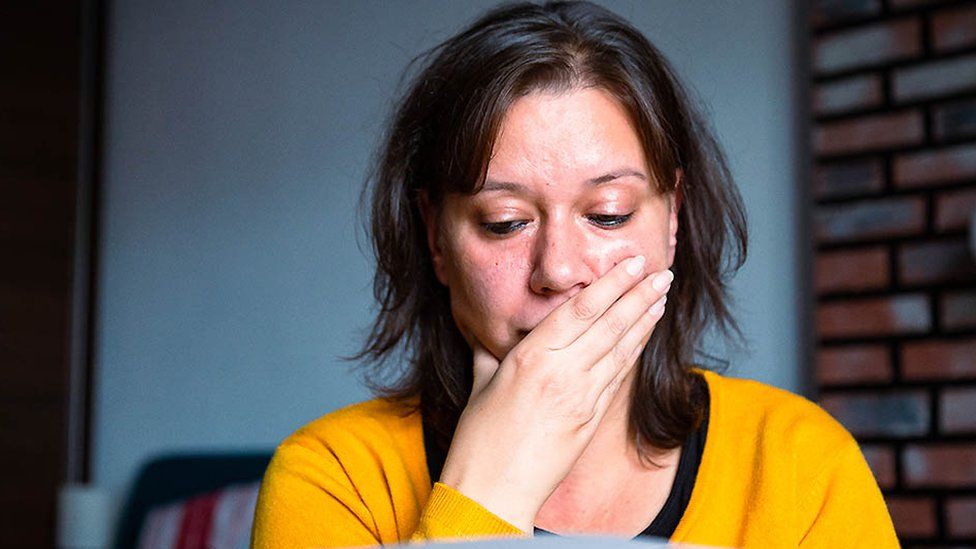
{"x": 85, "y": 517}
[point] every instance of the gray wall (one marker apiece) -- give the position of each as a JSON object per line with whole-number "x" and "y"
{"x": 238, "y": 134}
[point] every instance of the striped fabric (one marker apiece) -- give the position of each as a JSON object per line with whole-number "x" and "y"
{"x": 217, "y": 520}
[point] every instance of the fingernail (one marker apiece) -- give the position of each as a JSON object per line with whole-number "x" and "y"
{"x": 635, "y": 265}
{"x": 658, "y": 306}
{"x": 663, "y": 281}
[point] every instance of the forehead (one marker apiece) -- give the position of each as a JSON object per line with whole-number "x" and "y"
{"x": 569, "y": 137}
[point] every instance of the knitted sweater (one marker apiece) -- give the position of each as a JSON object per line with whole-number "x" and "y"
{"x": 776, "y": 471}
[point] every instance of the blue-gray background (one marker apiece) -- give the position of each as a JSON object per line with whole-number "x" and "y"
{"x": 238, "y": 134}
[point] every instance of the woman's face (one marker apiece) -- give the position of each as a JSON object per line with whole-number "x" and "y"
{"x": 568, "y": 195}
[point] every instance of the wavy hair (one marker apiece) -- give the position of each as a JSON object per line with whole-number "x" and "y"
{"x": 439, "y": 140}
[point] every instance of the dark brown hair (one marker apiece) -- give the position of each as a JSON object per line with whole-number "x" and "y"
{"x": 440, "y": 140}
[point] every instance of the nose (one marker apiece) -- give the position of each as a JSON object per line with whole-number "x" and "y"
{"x": 560, "y": 261}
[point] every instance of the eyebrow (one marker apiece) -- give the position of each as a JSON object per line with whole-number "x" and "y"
{"x": 492, "y": 185}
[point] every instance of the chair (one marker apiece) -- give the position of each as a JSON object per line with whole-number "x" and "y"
{"x": 171, "y": 478}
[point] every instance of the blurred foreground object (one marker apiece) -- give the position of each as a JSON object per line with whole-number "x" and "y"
{"x": 560, "y": 542}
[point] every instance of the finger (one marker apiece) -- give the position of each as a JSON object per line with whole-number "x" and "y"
{"x": 611, "y": 373}
{"x": 571, "y": 319}
{"x": 628, "y": 350}
{"x": 485, "y": 365}
{"x": 606, "y": 394}
{"x": 617, "y": 321}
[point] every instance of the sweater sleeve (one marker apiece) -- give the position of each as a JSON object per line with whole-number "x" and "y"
{"x": 843, "y": 506}
{"x": 451, "y": 514}
{"x": 308, "y": 500}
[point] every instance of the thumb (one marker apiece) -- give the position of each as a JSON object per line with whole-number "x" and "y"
{"x": 485, "y": 366}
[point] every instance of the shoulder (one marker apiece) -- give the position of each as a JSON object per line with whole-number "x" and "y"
{"x": 372, "y": 423}
{"x": 346, "y": 466}
{"x": 777, "y": 418}
{"x": 350, "y": 452}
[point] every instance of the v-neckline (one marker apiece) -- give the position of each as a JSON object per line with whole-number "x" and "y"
{"x": 435, "y": 457}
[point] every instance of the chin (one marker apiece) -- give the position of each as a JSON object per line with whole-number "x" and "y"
{"x": 505, "y": 346}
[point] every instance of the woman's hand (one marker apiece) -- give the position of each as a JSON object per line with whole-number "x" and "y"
{"x": 530, "y": 417}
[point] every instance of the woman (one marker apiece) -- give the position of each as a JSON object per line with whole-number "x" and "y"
{"x": 554, "y": 226}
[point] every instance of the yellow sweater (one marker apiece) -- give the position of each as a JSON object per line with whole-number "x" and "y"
{"x": 776, "y": 471}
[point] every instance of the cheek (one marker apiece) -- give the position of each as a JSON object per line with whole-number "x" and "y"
{"x": 651, "y": 242}
{"x": 489, "y": 285}
{"x": 607, "y": 253}
{"x": 656, "y": 251}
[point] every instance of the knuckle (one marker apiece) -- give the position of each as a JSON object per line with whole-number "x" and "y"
{"x": 615, "y": 324}
{"x": 544, "y": 387}
{"x": 619, "y": 356}
{"x": 582, "y": 415}
{"x": 549, "y": 383}
{"x": 581, "y": 308}
{"x": 637, "y": 353}
{"x": 524, "y": 359}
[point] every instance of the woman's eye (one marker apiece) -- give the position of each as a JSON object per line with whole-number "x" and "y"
{"x": 610, "y": 220}
{"x": 503, "y": 227}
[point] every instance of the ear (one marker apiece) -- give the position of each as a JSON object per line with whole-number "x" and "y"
{"x": 431, "y": 219}
{"x": 677, "y": 197}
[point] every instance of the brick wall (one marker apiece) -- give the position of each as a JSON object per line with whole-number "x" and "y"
{"x": 894, "y": 184}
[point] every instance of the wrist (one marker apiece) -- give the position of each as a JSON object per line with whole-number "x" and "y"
{"x": 505, "y": 502}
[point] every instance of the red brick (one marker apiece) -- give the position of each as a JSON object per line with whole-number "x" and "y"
{"x": 935, "y": 79}
{"x": 959, "y": 410}
{"x": 934, "y": 167}
{"x": 961, "y": 516}
{"x": 880, "y": 414}
{"x": 930, "y": 262}
{"x": 940, "y": 465}
{"x": 954, "y": 28}
{"x": 845, "y": 95}
{"x": 939, "y": 359}
{"x": 847, "y": 178}
{"x": 881, "y": 459}
{"x": 851, "y": 269}
{"x": 870, "y": 45}
{"x": 869, "y": 219}
{"x": 903, "y": 314}
{"x": 853, "y": 364}
{"x": 833, "y": 11}
{"x": 955, "y": 120}
{"x": 913, "y": 517}
{"x": 953, "y": 209}
{"x": 868, "y": 133}
{"x": 959, "y": 310}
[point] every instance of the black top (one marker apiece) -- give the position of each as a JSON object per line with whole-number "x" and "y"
{"x": 667, "y": 518}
